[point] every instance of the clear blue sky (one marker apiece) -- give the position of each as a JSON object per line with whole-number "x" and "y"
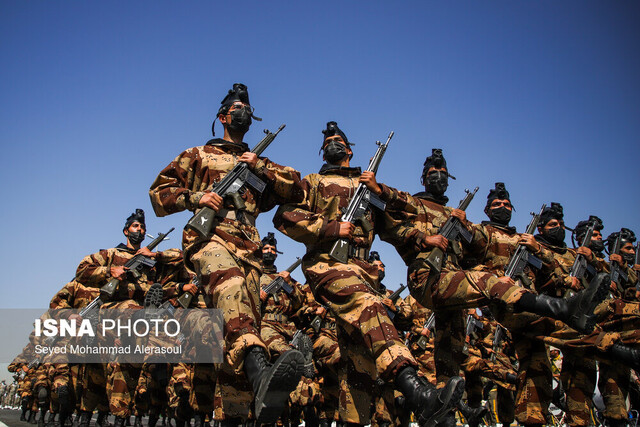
{"x": 97, "y": 97}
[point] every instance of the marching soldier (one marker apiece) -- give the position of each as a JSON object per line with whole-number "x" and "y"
{"x": 225, "y": 260}
{"x": 346, "y": 289}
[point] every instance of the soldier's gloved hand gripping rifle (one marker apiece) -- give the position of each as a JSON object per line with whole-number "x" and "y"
{"x": 618, "y": 275}
{"x": 230, "y": 185}
{"x": 452, "y": 230}
{"x": 279, "y": 282}
{"x": 580, "y": 266}
{"x": 358, "y": 206}
{"x": 521, "y": 257}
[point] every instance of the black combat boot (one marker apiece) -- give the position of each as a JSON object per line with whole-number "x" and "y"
{"x": 51, "y": 421}
{"x": 575, "y": 311}
{"x": 23, "y": 416}
{"x": 627, "y": 355}
{"x": 153, "y": 420}
{"x": 42, "y": 418}
{"x": 85, "y": 419}
{"x": 120, "y": 422}
{"x": 137, "y": 421}
{"x": 198, "y": 419}
{"x": 272, "y": 384}
{"x": 65, "y": 404}
{"x": 32, "y": 418}
{"x": 448, "y": 420}
{"x": 428, "y": 404}
{"x": 473, "y": 416}
{"x": 103, "y": 419}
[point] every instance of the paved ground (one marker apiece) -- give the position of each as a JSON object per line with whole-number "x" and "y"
{"x": 12, "y": 418}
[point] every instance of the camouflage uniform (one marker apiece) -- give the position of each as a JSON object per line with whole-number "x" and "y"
{"x": 454, "y": 289}
{"x": 346, "y": 289}
{"x": 277, "y": 328}
{"x": 492, "y": 253}
{"x": 579, "y": 373}
{"x": 94, "y": 271}
{"x": 225, "y": 261}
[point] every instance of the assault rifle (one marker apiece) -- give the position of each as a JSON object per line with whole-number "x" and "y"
{"x": 472, "y": 325}
{"x": 452, "y": 230}
{"x": 230, "y": 185}
{"x": 430, "y": 325}
{"x": 580, "y": 266}
{"x": 498, "y": 337}
{"x": 521, "y": 257}
{"x": 279, "y": 283}
{"x": 134, "y": 266}
{"x": 618, "y": 275}
{"x": 358, "y": 206}
{"x": 185, "y": 299}
{"x": 394, "y": 297}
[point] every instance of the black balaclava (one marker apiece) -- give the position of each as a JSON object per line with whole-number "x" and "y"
{"x": 240, "y": 119}
{"x": 375, "y": 256}
{"x": 556, "y": 235}
{"x": 628, "y": 236}
{"x": 500, "y": 216}
{"x": 334, "y": 152}
{"x": 269, "y": 258}
{"x": 136, "y": 237}
{"x": 435, "y": 183}
{"x": 580, "y": 230}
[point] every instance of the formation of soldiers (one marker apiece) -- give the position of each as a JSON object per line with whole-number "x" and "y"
{"x": 342, "y": 347}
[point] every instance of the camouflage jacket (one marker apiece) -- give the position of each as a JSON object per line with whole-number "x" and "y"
{"x": 181, "y": 185}
{"x": 94, "y": 271}
{"x": 554, "y": 279}
{"x": 493, "y": 248}
{"x": 315, "y": 221}
{"x": 281, "y": 307}
{"x": 409, "y": 219}
{"x": 74, "y": 295}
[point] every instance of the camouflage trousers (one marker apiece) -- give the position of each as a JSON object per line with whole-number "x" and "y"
{"x": 578, "y": 378}
{"x": 277, "y": 336}
{"x": 424, "y": 357}
{"x": 326, "y": 355}
{"x": 179, "y": 390}
{"x": 122, "y": 380}
{"x": 59, "y": 375}
{"x": 151, "y": 394}
{"x": 231, "y": 286}
{"x": 458, "y": 289}
{"x": 614, "y": 383}
{"x": 233, "y": 396}
{"x": 347, "y": 290}
{"x": 534, "y": 385}
{"x": 94, "y": 386}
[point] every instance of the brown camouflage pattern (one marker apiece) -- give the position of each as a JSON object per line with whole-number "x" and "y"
{"x": 348, "y": 290}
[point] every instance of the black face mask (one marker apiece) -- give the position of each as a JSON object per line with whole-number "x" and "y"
{"x": 380, "y": 275}
{"x": 555, "y": 236}
{"x": 268, "y": 258}
{"x": 629, "y": 258}
{"x": 334, "y": 152}
{"x": 596, "y": 246}
{"x": 436, "y": 183}
{"x": 500, "y": 215}
{"x": 240, "y": 120}
{"x": 136, "y": 237}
